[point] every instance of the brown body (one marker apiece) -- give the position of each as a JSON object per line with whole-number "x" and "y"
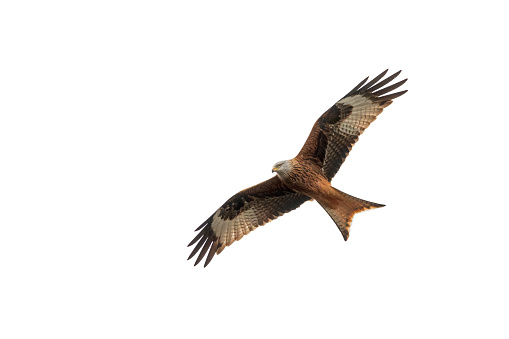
{"x": 305, "y": 177}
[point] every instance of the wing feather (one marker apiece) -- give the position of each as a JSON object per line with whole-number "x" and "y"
{"x": 372, "y": 82}
{"x": 384, "y": 82}
{"x": 338, "y": 129}
{"x": 243, "y": 213}
{"x": 198, "y": 237}
{"x": 389, "y": 88}
{"x": 204, "y": 250}
{"x": 357, "y": 87}
{"x": 197, "y": 247}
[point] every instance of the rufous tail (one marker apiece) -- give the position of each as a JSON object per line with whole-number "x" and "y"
{"x": 342, "y": 207}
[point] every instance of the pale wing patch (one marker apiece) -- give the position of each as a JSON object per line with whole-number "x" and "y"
{"x": 229, "y": 231}
{"x": 364, "y": 112}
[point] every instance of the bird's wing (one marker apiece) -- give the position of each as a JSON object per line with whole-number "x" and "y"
{"x": 338, "y": 129}
{"x": 243, "y": 213}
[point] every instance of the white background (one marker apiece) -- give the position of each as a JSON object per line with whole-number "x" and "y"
{"x": 125, "y": 124}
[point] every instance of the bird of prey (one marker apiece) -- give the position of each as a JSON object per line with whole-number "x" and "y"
{"x": 307, "y": 176}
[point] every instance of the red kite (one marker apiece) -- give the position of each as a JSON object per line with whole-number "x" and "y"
{"x": 307, "y": 176}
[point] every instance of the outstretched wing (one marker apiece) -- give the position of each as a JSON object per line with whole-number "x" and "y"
{"x": 337, "y": 130}
{"x": 243, "y": 213}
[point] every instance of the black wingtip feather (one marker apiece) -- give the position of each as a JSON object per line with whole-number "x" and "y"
{"x": 202, "y": 225}
{"x": 384, "y": 82}
{"x": 357, "y": 87}
{"x": 392, "y": 96}
{"x": 389, "y": 88}
{"x": 203, "y": 251}
{"x": 196, "y": 238}
{"x": 372, "y": 82}
{"x": 375, "y": 84}
{"x": 211, "y": 252}
{"x": 197, "y": 247}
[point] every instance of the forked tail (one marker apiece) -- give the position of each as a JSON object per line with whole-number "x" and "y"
{"x": 342, "y": 208}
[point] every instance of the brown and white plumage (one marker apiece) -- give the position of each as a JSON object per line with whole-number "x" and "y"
{"x": 243, "y": 213}
{"x": 338, "y": 129}
{"x": 305, "y": 177}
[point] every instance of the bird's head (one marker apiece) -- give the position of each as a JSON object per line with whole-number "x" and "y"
{"x": 282, "y": 167}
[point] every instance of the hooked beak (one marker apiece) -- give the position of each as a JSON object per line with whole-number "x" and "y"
{"x": 273, "y": 170}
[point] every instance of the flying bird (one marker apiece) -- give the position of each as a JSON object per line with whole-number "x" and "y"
{"x": 307, "y": 176}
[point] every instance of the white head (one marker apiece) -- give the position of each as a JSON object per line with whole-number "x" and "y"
{"x": 282, "y": 168}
